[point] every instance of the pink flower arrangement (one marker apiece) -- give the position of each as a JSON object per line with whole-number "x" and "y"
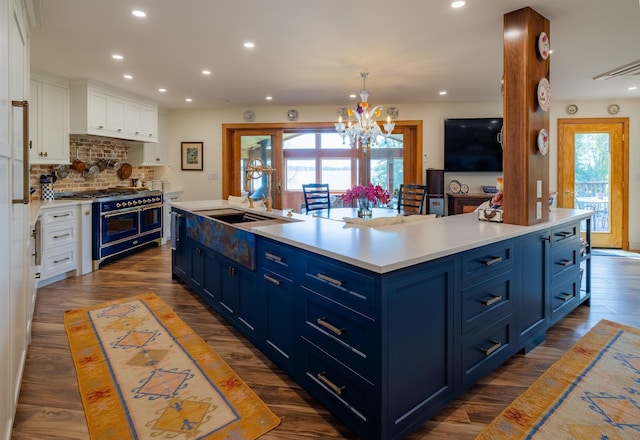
{"x": 375, "y": 194}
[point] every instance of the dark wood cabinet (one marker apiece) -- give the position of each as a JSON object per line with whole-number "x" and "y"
{"x": 463, "y": 203}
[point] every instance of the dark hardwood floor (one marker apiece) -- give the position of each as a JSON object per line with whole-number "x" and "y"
{"x": 50, "y": 406}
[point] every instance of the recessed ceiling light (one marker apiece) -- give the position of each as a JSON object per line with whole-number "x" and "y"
{"x": 206, "y": 72}
{"x": 127, "y": 76}
{"x": 116, "y": 56}
{"x": 162, "y": 90}
{"x": 188, "y": 99}
{"x": 249, "y": 45}
{"x": 443, "y": 92}
{"x": 269, "y": 98}
{"x": 633, "y": 88}
{"x": 138, "y": 13}
{"x": 353, "y": 95}
{"x": 457, "y": 4}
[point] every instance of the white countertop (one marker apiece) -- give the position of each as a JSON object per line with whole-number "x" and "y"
{"x": 388, "y": 248}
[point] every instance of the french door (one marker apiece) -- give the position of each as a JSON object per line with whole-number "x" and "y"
{"x": 592, "y": 174}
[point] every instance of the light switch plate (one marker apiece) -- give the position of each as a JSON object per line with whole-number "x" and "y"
{"x": 539, "y": 188}
{"x": 538, "y": 210}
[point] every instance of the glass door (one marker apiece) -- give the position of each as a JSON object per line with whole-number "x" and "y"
{"x": 255, "y": 149}
{"x": 591, "y": 176}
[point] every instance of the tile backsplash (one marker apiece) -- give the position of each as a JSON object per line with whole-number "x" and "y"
{"x": 89, "y": 149}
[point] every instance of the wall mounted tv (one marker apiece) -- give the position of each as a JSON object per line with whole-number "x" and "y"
{"x": 473, "y": 144}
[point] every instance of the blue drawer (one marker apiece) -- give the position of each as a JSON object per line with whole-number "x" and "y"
{"x": 486, "y": 301}
{"x": 343, "y": 285}
{"x": 342, "y": 332}
{"x": 347, "y": 395}
{"x": 481, "y": 261}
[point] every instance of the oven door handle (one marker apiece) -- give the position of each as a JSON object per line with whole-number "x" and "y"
{"x": 148, "y": 207}
{"x": 120, "y": 212}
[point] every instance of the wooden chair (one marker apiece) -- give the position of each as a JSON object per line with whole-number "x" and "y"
{"x": 316, "y": 196}
{"x": 411, "y": 198}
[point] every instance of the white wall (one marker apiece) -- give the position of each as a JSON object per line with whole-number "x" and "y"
{"x": 206, "y": 125}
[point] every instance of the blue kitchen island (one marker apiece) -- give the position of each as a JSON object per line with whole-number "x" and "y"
{"x": 384, "y": 326}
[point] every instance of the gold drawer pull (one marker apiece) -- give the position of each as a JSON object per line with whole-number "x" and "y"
{"x": 494, "y": 347}
{"x": 271, "y": 279}
{"x": 335, "y": 388}
{"x": 493, "y": 300}
{"x": 565, "y": 296}
{"x": 61, "y": 261}
{"x": 273, "y": 257}
{"x": 338, "y": 331}
{"x": 60, "y": 236}
{"x": 494, "y": 260}
{"x": 329, "y": 279}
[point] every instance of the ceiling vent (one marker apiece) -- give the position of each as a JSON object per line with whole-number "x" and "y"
{"x": 628, "y": 69}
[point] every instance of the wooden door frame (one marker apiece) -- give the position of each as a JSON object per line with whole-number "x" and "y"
{"x": 231, "y": 153}
{"x": 562, "y": 164}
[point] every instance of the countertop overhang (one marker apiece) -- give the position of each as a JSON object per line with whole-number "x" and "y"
{"x": 388, "y": 248}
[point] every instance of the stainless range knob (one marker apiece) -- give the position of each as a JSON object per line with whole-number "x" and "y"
{"x": 118, "y": 205}
{"x": 129, "y": 203}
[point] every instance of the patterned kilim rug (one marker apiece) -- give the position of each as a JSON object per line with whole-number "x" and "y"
{"x": 144, "y": 374}
{"x": 591, "y": 393}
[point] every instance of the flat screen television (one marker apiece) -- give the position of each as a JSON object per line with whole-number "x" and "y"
{"x": 473, "y": 144}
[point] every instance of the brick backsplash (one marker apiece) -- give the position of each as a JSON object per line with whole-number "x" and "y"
{"x": 101, "y": 148}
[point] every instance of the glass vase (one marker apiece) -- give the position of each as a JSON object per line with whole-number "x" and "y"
{"x": 364, "y": 207}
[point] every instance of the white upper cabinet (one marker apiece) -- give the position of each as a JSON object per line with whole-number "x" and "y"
{"x": 48, "y": 120}
{"x": 152, "y": 154}
{"x": 99, "y": 110}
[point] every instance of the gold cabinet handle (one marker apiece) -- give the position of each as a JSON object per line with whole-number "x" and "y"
{"x": 494, "y": 299}
{"x": 335, "y": 388}
{"x": 492, "y": 261}
{"x": 271, "y": 279}
{"x": 323, "y": 277}
{"x": 323, "y": 322}
{"x": 273, "y": 257}
{"x": 495, "y": 345}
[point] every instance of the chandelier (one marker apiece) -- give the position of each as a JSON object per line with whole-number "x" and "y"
{"x": 365, "y": 131}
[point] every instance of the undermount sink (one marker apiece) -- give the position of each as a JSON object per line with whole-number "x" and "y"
{"x": 232, "y": 216}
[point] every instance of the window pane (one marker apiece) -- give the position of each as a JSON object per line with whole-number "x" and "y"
{"x": 333, "y": 140}
{"x": 592, "y": 174}
{"x": 299, "y": 140}
{"x": 299, "y": 171}
{"x": 337, "y": 173}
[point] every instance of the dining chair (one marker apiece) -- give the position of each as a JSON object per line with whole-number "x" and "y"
{"x": 411, "y": 198}
{"x": 316, "y": 196}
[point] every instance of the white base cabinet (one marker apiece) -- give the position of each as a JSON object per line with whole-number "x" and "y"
{"x": 60, "y": 239}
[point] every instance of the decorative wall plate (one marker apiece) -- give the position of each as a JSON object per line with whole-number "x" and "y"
{"x": 572, "y": 109}
{"x": 292, "y": 115}
{"x": 543, "y": 45}
{"x": 543, "y": 142}
{"x": 454, "y": 186}
{"x": 464, "y": 188}
{"x": 249, "y": 116}
{"x": 613, "y": 109}
{"x": 544, "y": 94}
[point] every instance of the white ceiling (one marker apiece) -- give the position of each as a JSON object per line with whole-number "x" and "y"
{"x": 311, "y": 52}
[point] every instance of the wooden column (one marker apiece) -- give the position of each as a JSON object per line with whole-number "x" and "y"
{"x": 524, "y": 165}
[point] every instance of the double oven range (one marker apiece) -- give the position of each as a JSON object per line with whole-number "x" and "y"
{"x": 122, "y": 220}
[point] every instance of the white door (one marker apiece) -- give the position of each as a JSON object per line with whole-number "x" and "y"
{"x": 13, "y": 212}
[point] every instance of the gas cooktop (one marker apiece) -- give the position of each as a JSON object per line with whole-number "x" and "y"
{"x": 104, "y": 193}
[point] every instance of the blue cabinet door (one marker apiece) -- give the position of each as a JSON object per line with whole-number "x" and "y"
{"x": 181, "y": 255}
{"x": 278, "y": 333}
{"x": 533, "y": 284}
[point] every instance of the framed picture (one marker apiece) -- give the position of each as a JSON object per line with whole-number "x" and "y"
{"x": 192, "y": 156}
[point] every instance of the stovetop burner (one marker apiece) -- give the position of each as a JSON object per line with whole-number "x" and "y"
{"x": 103, "y": 193}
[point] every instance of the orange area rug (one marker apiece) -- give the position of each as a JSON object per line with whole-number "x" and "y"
{"x": 144, "y": 374}
{"x": 591, "y": 393}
